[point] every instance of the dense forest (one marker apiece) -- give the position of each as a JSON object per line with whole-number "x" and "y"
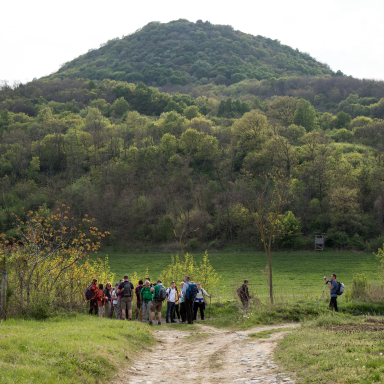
{"x": 143, "y": 162}
{"x": 181, "y": 52}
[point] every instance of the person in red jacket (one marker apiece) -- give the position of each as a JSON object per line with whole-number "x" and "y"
{"x": 93, "y": 303}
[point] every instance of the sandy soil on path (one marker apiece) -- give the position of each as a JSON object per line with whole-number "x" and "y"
{"x": 208, "y": 355}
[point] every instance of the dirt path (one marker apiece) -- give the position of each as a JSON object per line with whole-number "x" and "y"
{"x": 208, "y": 355}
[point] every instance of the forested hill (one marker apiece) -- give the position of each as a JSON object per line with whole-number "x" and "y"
{"x": 182, "y": 52}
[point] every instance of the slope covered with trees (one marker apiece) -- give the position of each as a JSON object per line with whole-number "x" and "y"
{"x": 181, "y": 52}
{"x": 146, "y": 163}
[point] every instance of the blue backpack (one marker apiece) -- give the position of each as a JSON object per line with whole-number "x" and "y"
{"x": 192, "y": 291}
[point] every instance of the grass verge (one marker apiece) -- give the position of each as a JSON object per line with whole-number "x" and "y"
{"x": 68, "y": 350}
{"x": 335, "y": 348}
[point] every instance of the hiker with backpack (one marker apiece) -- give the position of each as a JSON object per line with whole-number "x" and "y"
{"x": 199, "y": 302}
{"x": 335, "y": 289}
{"x": 189, "y": 294}
{"x": 138, "y": 289}
{"x": 92, "y": 294}
{"x": 159, "y": 295}
{"x": 244, "y": 295}
{"x": 171, "y": 295}
{"x": 183, "y": 313}
{"x": 126, "y": 290}
{"x": 146, "y": 299}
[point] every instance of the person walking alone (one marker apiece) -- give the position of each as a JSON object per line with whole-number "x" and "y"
{"x": 244, "y": 295}
{"x": 333, "y": 289}
{"x": 199, "y": 302}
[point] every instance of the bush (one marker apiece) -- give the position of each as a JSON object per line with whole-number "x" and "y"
{"x": 193, "y": 244}
{"x": 358, "y": 288}
{"x": 375, "y": 244}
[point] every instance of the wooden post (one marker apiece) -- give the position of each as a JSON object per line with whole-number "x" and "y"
{"x": 3, "y": 300}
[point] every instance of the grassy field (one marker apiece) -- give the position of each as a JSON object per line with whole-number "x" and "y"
{"x": 297, "y": 275}
{"x": 335, "y": 349}
{"x": 76, "y": 349}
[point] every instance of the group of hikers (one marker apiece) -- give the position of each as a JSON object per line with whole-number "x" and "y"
{"x": 184, "y": 301}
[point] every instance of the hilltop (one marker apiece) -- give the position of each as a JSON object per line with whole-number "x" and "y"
{"x": 182, "y": 52}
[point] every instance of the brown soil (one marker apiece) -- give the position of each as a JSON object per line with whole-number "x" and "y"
{"x": 208, "y": 355}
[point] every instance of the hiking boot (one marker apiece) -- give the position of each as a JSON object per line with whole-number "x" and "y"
{"x": 151, "y": 323}
{"x": 159, "y": 323}
{"x": 167, "y": 321}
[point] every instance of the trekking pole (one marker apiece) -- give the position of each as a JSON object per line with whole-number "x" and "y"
{"x": 210, "y": 307}
{"x": 322, "y": 294}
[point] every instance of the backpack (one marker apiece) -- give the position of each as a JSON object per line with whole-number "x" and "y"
{"x": 340, "y": 289}
{"x": 162, "y": 294}
{"x": 127, "y": 289}
{"x": 240, "y": 291}
{"x": 88, "y": 293}
{"x": 192, "y": 291}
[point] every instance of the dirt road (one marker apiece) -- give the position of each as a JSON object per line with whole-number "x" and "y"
{"x": 208, "y": 355}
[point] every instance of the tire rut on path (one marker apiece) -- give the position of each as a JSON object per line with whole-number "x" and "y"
{"x": 208, "y": 355}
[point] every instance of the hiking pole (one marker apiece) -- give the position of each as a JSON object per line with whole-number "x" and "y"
{"x": 322, "y": 294}
{"x": 210, "y": 307}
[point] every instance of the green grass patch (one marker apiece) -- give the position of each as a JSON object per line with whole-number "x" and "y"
{"x": 335, "y": 348}
{"x": 297, "y": 275}
{"x": 267, "y": 334}
{"x": 75, "y": 349}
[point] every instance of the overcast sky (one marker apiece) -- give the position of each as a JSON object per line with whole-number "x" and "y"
{"x": 36, "y": 37}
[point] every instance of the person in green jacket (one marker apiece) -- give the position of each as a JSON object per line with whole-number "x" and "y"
{"x": 146, "y": 299}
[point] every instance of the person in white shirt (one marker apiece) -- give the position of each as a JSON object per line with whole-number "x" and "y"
{"x": 114, "y": 302}
{"x": 172, "y": 294}
{"x": 199, "y": 301}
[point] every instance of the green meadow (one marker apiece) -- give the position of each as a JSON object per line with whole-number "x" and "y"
{"x": 73, "y": 349}
{"x": 296, "y": 275}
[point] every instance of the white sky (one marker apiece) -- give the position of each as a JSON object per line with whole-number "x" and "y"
{"x": 36, "y": 37}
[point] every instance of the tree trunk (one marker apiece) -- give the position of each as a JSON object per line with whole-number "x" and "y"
{"x": 3, "y": 301}
{"x": 270, "y": 279}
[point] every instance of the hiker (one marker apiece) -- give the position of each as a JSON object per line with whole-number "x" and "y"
{"x": 118, "y": 307}
{"x": 177, "y": 306}
{"x": 138, "y": 289}
{"x": 199, "y": 302}
{"x": 146, "y": 299}
{"x": 332, "y": 289}
{"x": 244, "y": 295}
{"x": 101, "y": 300}
{"x": 114, "y": 302}
{"x": 93, "y": 303}
{"x": 126, "y": 288}
{"x": 171, "y": 294}
{"x": 157, "y": 302}
{"x": 189, "y": 294}
{"x": 182, "y": 304}
{"x": 108, "y": 299}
